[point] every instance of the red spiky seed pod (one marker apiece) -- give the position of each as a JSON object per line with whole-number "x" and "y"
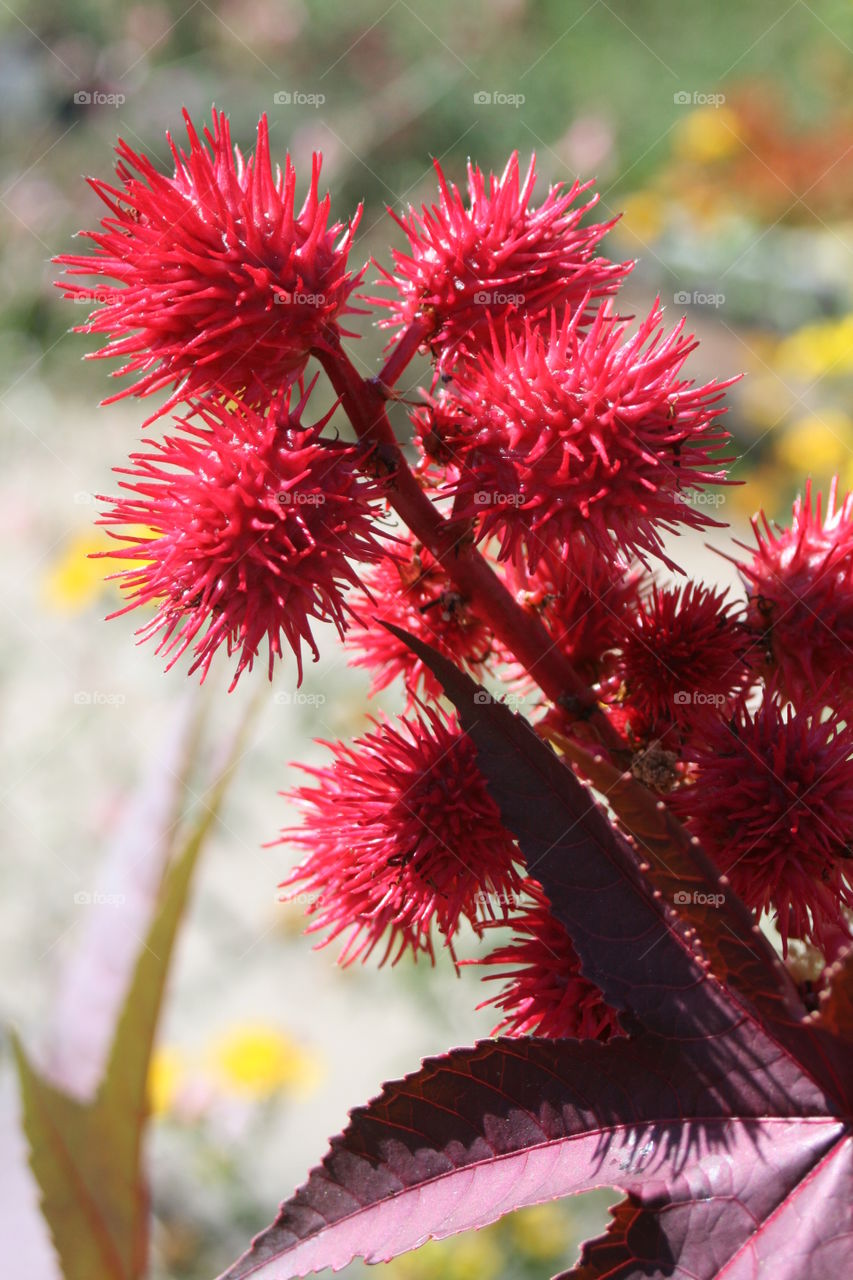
{"x": 410, "y": 589}
{"x": 684, "y": 659}
{"x": 402, "y": 838}
{"x": 545, "y": 994}
{"x": 256, "y": 525}
{"x": 582, "y": 604}
{"x": 772, "y": 803}
{"x": 569, "y": 435}
{"x": 220, "y": 281}
{"x": 494, "y": 260}
{"x": 800, "y": 587}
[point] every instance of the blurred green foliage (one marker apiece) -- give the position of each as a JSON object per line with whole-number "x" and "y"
{"x": 399, "y": 83}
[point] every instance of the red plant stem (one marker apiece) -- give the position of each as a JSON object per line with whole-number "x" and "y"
{"x": 406, "y": 347}
{"x": 450, "y": 542}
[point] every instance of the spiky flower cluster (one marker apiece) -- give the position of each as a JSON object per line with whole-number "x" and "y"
{"x": 563, "y": 447}
{"x": 800, "y": 588}
{"x": 772, "y": 801}
{"x": 402, "y": 835}
{"x": 220, "y": 280}
{"x": 546, "y": 993}
{"x": 254, "y": 523}
{"x": 583, "y": 605}
{"x": 584, "y": 442}
{"x": 411, "y": 589}
{"x": 489, "y": 263}
{"x": 684, "y": 662}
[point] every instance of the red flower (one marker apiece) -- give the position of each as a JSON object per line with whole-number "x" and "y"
{"x": 582, "y": 605}
{"x": 546, "y": 993}
{"x": 594, "y": 436}
{"x": 411, "y": 589}
{"x": 800, "y": 584}
{"x": 684, "y": 660}
{"x": 401, "y": 834}
{"x": 220, "y": 280}
{"x": 773, "y": 805}
{"x": 255, "y": 520}
{"x": 495, "y": 259}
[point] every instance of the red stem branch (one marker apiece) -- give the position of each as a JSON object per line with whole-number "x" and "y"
{"x": 406, "y": 347}
{"x": 449, "y": 541}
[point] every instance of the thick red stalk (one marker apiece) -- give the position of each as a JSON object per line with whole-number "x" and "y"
{"x": 404, "y": 349}
{"x": 450, "y": 542}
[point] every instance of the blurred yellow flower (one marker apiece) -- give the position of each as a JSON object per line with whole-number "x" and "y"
{"x": 541, "y": 1231}
{"x": 474, "y": 1256}
{"x": 817, "y": 445}
{"x": 764, "y": 398}
{"x": 705, "y": 135}
{"x": 166, "y": 1074}
{"x": 818, "y": 350}
{"x": 766, "y": 489}
{"x": 257, "y": 1061}
{"x": 643, "y": 217}
{"x": 75, "y": 581}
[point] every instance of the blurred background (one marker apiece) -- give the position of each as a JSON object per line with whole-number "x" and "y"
{"x": 723, "y": 134}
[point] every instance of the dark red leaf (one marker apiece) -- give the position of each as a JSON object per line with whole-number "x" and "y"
{"x": 514, "y": 1122}
{"x": 632, "y": 940}
{"x": 735, "y": 1148}
{"x": 674, "y": 862}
